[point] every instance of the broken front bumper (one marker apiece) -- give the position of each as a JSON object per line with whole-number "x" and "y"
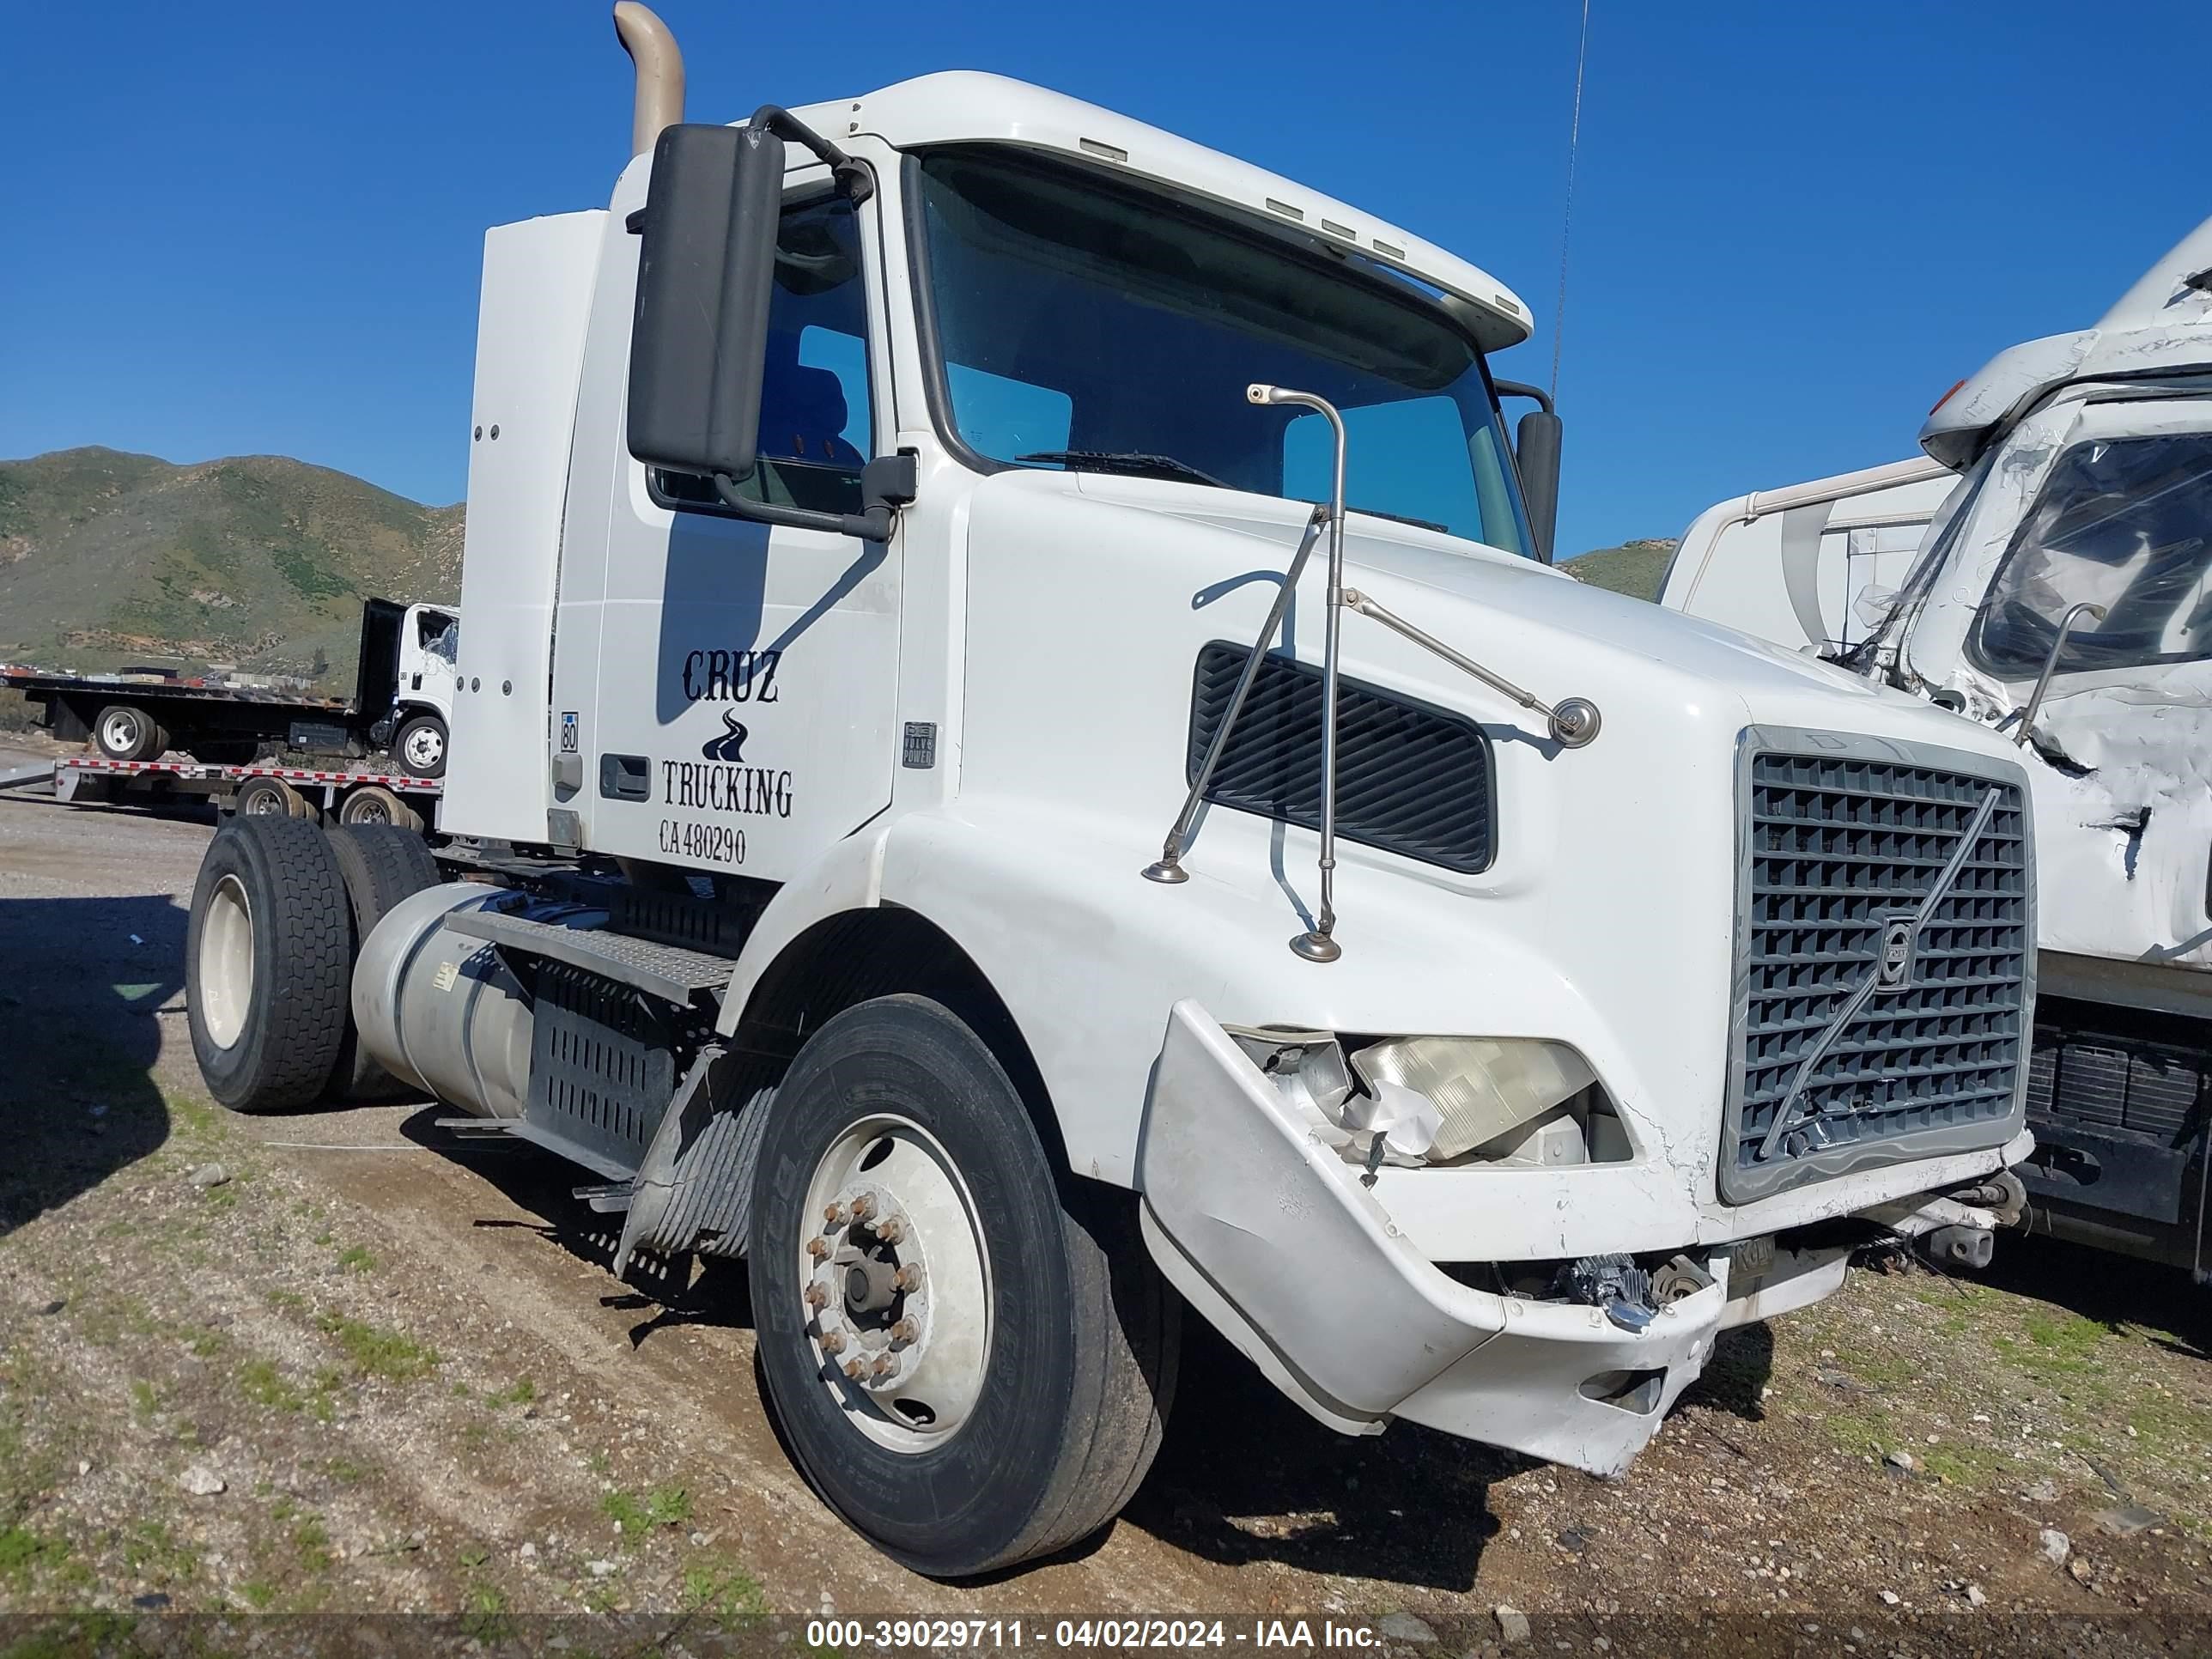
{"x": 1267, "y": 1232}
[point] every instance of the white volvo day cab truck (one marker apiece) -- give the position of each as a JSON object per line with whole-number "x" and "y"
{"x": 2064, "y": 599}
{"x": 1025, "y": 771}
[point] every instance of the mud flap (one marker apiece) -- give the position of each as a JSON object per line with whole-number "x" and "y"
{"x": 694, "y": 1189}
{"x": 1267, "y": 1231}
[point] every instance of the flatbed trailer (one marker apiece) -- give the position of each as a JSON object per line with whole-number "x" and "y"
{"x": 257, "y": 791}
{"x": 401, "y": 705}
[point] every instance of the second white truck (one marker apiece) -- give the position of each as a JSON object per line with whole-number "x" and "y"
{"x": 2046, "y": 570}
{"x": 1032, "y": 777}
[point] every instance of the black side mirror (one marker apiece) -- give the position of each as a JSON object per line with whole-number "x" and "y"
{"x": 1536, "y": 455}
{"x": 1536, "y": 459}
{"x": 706, "y": 271}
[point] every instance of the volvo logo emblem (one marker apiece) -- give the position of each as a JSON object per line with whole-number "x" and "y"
{"x": 1894, "y": 971}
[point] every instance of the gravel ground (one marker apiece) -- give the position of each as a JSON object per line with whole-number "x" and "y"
{"x": 341, "y": 1363}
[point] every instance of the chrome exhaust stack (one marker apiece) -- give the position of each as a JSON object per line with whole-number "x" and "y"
{"x": 659, "y": 101}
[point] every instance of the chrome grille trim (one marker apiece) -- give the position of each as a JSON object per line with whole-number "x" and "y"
{"x": 1840, "y": 840}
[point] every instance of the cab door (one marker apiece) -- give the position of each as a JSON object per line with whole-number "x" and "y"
{"x": 748, "y": 674}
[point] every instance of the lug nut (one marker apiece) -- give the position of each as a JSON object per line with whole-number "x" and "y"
{"x": 907, "y": 1330}
{"x": 884, "y": 1366}
{"x": 856, "y": 1369}
{"x": 890, "y": 1230}
{"x": 907, "y": 1278}
{"x": 864, "y": 1207}
{"x": 835, "y": 1215}
{"x": 818, "y": 1248}
{"x": 833, "y": 1341}
{"x": 816, "y": 1297}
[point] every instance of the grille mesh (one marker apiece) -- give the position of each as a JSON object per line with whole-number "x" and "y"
{"x": 1838, "y": 849}
{"x": 1410, "y": 778}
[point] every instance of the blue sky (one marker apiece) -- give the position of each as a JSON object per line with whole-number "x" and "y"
{"x": 255, "y": 227}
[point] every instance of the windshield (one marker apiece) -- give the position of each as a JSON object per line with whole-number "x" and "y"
{"x": 1082, "y": 326}
{"x": 2125, "y": 525}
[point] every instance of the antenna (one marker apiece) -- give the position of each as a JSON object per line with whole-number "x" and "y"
{"x": 1567, "y": 212}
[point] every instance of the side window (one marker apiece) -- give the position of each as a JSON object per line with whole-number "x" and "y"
{"x": 816, "y": 426}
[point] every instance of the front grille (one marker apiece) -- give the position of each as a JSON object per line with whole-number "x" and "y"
{"x": 1410, "y": 778}
{"x": 2090, "y": 1070}
{"x": 1839, "y": 850}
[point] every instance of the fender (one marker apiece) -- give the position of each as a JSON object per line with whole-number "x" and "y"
{"x": 1088, "y": 957}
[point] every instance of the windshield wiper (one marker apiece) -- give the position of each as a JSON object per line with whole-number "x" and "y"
{"x": 1134, "y": 463}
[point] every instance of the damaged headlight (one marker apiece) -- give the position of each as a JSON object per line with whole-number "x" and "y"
{"x": 1418, "y": 1100}
{"x": 1480, "y": 1087}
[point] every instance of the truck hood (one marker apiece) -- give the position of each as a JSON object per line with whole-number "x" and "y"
{"x": 1460, "y": 590}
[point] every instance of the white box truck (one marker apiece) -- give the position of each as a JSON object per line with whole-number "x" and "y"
{"x": 1031, "y": 776}
{"x": 2046, "y": 570}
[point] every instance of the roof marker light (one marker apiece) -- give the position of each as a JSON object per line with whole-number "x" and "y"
{"x": 1387, "y": 251}
{"x": 1111, "y": 152}
{"x": 1335, "y": 230}
{"x": 1946, "y": 397}
{"x": 1285, "y": 210}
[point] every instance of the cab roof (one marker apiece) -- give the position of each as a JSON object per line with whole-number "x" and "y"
{"x": 2161, "y": 325}
{"x": 969, "y": 106}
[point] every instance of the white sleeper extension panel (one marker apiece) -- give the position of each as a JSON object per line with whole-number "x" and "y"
{"x": 538, "y": 279}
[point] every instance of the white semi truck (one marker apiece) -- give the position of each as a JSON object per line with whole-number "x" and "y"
{"x": 1029, "y": 773}
{"x": 2046, "y": 569}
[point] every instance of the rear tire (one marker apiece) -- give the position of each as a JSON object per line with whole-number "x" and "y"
{"x": 264, "y": 797}
{"x": 1066, "y": 1334}
{"x": 381, "y": 866}
{"x": 420, "y": 748}
{"x": 372, "y": 804}
{"x": 124, "y": 732}
{"x": 267, "y": 965}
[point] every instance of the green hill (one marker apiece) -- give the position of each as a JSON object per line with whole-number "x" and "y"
{"x": 1635, "y": 568}
{"x": 255, "y": 561}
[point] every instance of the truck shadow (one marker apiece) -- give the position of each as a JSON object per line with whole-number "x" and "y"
{"x": 2114, "y": 1291}
{"x": 78, "y": 1097}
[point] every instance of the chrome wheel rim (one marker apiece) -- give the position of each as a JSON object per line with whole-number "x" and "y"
{"x": 895, "y": 1281}
{"x": 227, "y": 961}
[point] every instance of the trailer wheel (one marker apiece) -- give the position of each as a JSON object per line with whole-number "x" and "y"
{"x": 267, "y": 962}
{"x": 972, "y": 1357}
{"x": 420, "y": 746}
{"x": 124, "y": 732}
{"x": 264, "y": 797}
{"x": 372, "y": 803}
{"x": 381, "y": 865}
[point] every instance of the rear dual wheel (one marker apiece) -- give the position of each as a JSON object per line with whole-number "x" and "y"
{"x": 124, "y": 732}
{"x": 971, "y": 1356}
{"x": 277, "y": 918}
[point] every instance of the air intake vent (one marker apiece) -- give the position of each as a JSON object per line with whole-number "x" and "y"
{"x": 1410, "y": 778}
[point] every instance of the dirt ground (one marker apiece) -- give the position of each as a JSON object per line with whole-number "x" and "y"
{"x": 365, "y": 1368}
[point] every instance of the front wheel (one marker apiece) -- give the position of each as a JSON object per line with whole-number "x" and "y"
{"x": 420, "y": 746}
{"x": 972, "y": 1356}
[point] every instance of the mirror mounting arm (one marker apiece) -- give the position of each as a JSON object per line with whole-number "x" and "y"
{"x": 887, "y": 483}
{"x": 852, "y": 178}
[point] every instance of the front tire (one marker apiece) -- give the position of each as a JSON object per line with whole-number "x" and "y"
{"x": 421, "y": 747}
{"x": 1011, "y": 1390}
{"x": 268, "y": 965}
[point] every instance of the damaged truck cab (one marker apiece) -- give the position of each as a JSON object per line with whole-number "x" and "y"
{"x": 2061, "y": 596}
{"x": 1024, "y": 769}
